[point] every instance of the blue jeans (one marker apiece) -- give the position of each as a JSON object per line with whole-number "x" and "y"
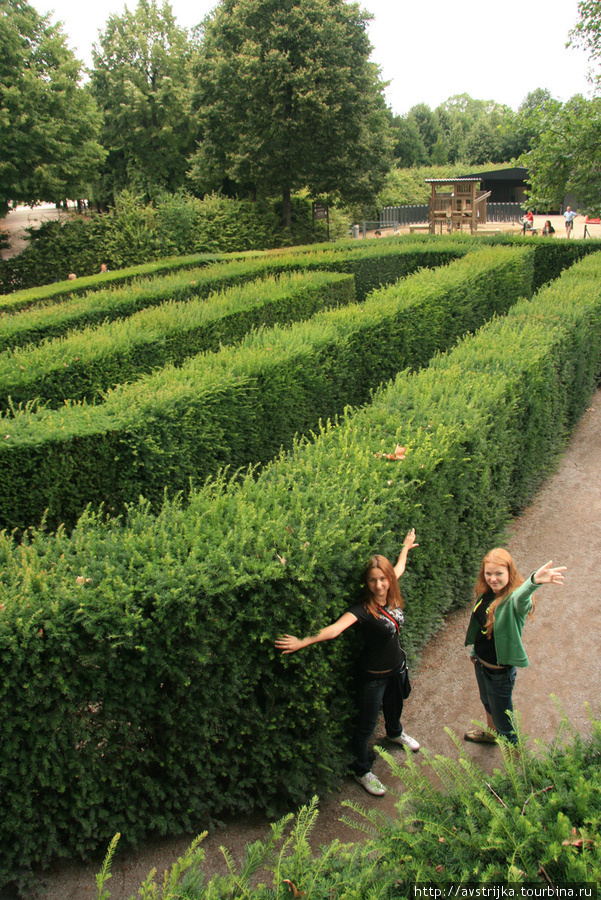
{"x": 496, "y": 693}
{"x": 375, "y": 691}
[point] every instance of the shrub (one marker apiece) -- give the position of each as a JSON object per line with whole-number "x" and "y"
{"x": 133, "y": 233}
{"x": 62, "y": 290}
{"x": 372, "y": 266}
{"x": 84, "y": 364}
{"x": 536, "y": 824}
{"x": 141, "y": 690}
{"x": 241, "y": 406}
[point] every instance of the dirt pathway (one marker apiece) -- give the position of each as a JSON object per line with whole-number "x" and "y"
{"x": 563, "y": 524}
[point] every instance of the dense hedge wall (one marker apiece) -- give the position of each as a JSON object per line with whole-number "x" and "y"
{"x": 61, "y": 290}
{"x": 551, "y": 257}
{"x": 372, "y": 265}
{"x": 84, "y": 364}
{"x": 240, "y": 406}
{"x": 133, "y": 233}
{"x": 141, "y": 690}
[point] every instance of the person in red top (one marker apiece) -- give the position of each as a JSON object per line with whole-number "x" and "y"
{"x": 384, "y": 680}
{"x": 528, "y": 221}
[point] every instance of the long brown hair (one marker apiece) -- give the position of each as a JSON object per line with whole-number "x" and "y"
{"x": 499, "y": 557}
{"x": 393, "y": 597}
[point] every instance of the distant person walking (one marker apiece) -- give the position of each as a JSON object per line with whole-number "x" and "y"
{"x": 569, "y": 215}
{"x": 548, "y": 229}
{"x": 503, "y": 601}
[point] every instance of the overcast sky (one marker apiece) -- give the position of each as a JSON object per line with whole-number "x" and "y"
{"x": 428, "y": 50}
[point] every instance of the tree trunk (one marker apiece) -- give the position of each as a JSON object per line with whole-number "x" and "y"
{"x": 286, "y": 209}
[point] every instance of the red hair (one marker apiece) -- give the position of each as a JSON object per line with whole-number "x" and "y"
{"x": 498, "y": 557}
{"x": 393, "y": 597}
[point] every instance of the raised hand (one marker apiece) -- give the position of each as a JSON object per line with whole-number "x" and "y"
{"x": 409, "y": 540}
{"x": 548, "y": 574}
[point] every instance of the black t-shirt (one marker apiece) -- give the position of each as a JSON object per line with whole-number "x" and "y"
{"x": 382, "y": 651}
{"x": 483, "y": 647}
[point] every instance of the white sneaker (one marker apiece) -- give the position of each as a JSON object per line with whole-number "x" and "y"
{"x": 371, "y": 784}
{"x": 406, "y": 740}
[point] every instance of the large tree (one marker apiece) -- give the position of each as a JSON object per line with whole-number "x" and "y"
{"x": 587, "y": 34}
{"x": 142, "y": 82}
{"x": 566, "y": 156}
{"x": 288, "y": 98}
{"x": 48, "y": 122}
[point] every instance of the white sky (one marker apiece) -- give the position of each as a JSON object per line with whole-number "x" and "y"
{"x": 428, "y": 50}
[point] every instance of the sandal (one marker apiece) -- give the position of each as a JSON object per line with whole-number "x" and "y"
{"x": 479, "y": 737}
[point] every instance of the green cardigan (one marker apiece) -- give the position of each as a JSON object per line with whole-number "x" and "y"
{"x": 509, "y": 622}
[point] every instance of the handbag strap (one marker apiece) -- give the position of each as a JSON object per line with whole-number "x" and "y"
{"x": 392, "y": 619}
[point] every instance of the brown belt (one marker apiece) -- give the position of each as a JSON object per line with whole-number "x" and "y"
{"x": 491, "y": 666}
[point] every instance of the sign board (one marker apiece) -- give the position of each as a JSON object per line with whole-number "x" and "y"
{"x": 320, "y": 212}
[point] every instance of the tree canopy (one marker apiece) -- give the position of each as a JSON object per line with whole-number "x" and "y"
{"x": 587, "y": 32}
{"x": 142, "y": 82}
{"x": 288, "y": 98}
{"x": 565, "y": 154}
{"x": 48, "y": 122}
{"x": 460, "y": 130}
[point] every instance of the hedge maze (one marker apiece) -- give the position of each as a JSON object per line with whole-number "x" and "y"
{"x": 162, "y": 531}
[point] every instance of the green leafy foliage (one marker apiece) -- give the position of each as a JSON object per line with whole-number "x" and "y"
{"x": 239, "y": 407}
{"x": 49, "y": 122}
{"x": 58, "y": 292}
{"x": 133, "y": 233}
{"x": 288, "y": 99}
{"x": 82, "y": 365}
{"x": 565, "y": 156}
{"x": 536, "y": 824}
{"x": 142, "y": 82}
{"x": 372, "y": 265}
{"x": 130, "y": 647}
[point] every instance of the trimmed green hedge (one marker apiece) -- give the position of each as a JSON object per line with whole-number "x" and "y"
{"x": 372, "y": 265}
{"x": 240, "y": 406}
{"x": 84, "y": 364}
{"x": 60, "y": 290}
{"x": 141, "y": 690}
{"x": 551, "y": 257}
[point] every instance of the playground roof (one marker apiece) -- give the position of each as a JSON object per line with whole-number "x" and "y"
{"x": 515, "y": 173}
{"x": 463, "y": 178}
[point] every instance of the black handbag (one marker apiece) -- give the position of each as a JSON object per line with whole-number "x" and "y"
{"x": 404, "y": 683}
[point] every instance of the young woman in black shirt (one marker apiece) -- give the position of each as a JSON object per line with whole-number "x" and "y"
{"x": 384, "y": 681}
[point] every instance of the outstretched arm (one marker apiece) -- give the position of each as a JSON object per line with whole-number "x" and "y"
{"x": 408, "y": 544}
{"x": 548, "y": 574}
{"x": 287, "y": 643}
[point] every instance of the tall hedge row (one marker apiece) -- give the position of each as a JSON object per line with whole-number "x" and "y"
{"x": 61, "y": 290}
{"x": 141, "y": 691}
{"x": 551, "y": 257}
{"x": 240, "y": 406}
{"x": 85, "y": 363}
{"x": 372, "y": 265}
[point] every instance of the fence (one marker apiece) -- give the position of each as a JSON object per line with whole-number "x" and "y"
{"x": 403, "y": 215}
{"x": 504, "y": 212}
{"x": 418, "y": 213}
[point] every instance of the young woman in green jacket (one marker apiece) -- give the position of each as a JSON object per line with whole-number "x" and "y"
{"x": 503, "y": 602}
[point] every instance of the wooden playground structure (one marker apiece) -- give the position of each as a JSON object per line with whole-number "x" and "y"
{"x": 450, "y": 210}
